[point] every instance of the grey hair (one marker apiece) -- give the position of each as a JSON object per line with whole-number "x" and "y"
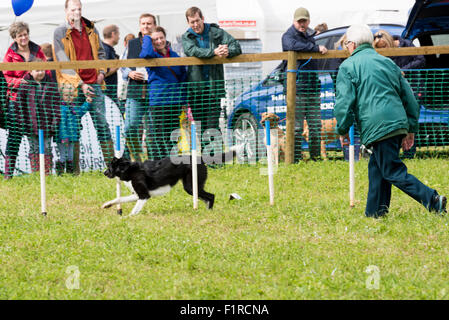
{"x": 359, "y": 34}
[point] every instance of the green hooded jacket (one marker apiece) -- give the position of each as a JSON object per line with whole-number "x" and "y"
{"x": 372, "y": 91}
{"x": 191, "y": 48}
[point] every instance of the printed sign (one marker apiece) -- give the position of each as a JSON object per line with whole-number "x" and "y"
{"x": 237, "y": 23}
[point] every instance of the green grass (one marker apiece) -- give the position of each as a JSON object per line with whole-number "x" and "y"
{"x": 309, "y": 245}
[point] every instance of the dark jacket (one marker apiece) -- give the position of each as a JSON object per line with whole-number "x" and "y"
{"x": 165, "y": 83}
{"x": 36, "y": 107}
{"x": 372, "y": 91}
{"x": 192, "y": 48}
{"x": 409, "y": 62}
{"x": 136, "y": 89}
{"x": 294, "y": 40}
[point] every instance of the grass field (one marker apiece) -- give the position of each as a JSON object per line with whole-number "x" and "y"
{"x": 309, "y": 245}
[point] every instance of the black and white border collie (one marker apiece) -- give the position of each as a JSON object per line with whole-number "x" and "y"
{"x": 155, "y": 178}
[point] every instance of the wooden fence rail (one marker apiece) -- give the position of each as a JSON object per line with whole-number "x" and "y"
{"x": 187, "y": 61}
{"x": 291, "y": 57}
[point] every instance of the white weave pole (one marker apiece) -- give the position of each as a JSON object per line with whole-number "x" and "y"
{"x": 194, "y": 165}
{"x": 42, "y": 172}
{"x": 117, "y": 155}
{"x": 351, "y": 167}
{"x": 270, "y": 161}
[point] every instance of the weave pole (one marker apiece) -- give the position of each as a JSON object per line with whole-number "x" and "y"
{"x": 270, "y": 161}
{"x": 194, "y": 166}
{"x": 42, "y": 172}
{"x": 117, "y": 155}
{"x": 351, "y": 167}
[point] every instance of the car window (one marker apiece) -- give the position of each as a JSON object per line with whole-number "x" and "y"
{"x": 273, "y": 79}
{"x": 329, "y": 43}
{"x": 440, "y": 39}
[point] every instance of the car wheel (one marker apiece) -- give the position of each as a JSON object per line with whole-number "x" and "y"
{"x": 245, "y": 134}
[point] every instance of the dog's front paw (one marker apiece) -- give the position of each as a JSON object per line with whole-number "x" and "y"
{"x": 107, "y": 204}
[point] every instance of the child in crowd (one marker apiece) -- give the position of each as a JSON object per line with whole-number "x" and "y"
{"x": 36, "y": 107}
{"x": 69, "y": 128}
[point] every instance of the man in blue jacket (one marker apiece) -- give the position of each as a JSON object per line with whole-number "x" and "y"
{"x": 372, "y": 91}
{"x": 299, "y": 37}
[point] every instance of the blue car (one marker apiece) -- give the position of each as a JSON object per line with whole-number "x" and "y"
{"x": 269, "y": 96}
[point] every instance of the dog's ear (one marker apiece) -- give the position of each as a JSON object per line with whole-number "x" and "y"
{"x": 114, "y": 160}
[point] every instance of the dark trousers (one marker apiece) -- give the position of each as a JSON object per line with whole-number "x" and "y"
{"x": 205, "y": 102}
{"x": 308, "y": 107}
{"x": 386, "y": 169}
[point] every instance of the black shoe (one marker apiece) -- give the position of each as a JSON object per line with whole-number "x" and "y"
{"x": 440, "y": 204}
{"x": 69, "y": 168}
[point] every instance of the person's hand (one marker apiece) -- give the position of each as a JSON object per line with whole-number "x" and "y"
{"x": 408, "y": 141}
{"x": 87, "y": 90}
{"x": 100, "y": 78}
{"x": 225, "y": 50}
{"x": 323, "y": 49}
{"x": 344, "y": 140}
{"x": 89, "y": 99}
{"x": 222, "y": 50}
{"x": 136, "y": 76}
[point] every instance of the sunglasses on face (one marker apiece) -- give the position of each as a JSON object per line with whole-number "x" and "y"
{"x": 378, "y": 36}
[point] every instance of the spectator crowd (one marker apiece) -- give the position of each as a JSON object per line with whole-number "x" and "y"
{"x": 150, "y": 100}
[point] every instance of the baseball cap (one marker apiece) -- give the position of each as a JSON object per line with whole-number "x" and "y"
{"x": 301, "y": 13}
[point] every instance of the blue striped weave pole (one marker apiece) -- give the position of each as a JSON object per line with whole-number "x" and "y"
{"x": 42, "y": 172}
{"x": 351, "y": 167}
{"x": 117, "y": 155}
{"x": 194, "y": 165}
{"x": 270, "y": 161}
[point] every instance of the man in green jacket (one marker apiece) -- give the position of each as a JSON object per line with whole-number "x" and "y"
{"x": 372, "y": 92}
{"x": 204, "y": 40}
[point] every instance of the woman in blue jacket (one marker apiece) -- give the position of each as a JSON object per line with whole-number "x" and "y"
{"x": 166, "y": 89}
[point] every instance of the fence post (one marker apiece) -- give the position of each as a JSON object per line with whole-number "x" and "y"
{"x": 291, "y": 105}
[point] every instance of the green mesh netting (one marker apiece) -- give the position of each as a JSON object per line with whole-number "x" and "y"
{"x": 155, "y": 120}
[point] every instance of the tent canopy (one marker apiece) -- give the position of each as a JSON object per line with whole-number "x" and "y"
{"x": 46, "y": 15}
{"x": 268, "y": 18}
